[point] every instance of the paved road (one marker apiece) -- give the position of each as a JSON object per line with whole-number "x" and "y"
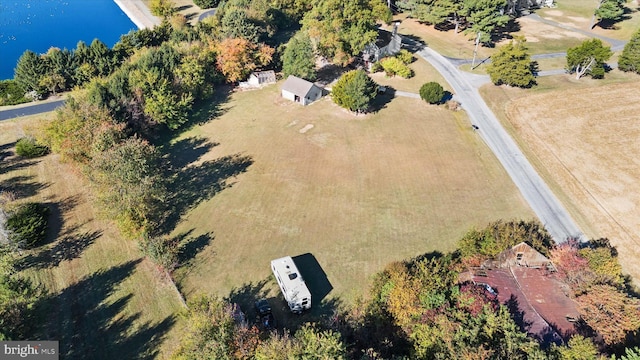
{"x": 543, "y": 202}
{"x": 30, "y": 110}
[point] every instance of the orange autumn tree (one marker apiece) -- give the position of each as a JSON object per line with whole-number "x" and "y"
{"x": 237, "y": 57}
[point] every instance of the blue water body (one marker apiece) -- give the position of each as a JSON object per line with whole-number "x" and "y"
{"x": 38, "y": 25}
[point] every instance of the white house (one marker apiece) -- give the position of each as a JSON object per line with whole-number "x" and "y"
{"x": 387, "y": 44}
{"x": 292, "y": 284}
{"x": 300, "y": 90}
{"x": 260, "y": 78}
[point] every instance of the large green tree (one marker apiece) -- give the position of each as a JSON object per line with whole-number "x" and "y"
{"x": 629, "y": 60}
{"x": 440, "y": 12}
{"x": 342, "y": 28}
{"x": 608, "y": 11}
{"x": 354, "y": 91}
{"x": 588, "y": 58}
{"x": 299, "y": 58}
{"x": 29, "y": 71}
{"x": 484, "y": 17}
{"x": 512, "y": 65}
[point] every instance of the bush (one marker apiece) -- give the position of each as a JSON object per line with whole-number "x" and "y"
{"x": 27, "y": 225}
{"x": 206, "y": 4}
{"x": 161, "y": 250}
{"x": 405, "y": 56}
{"x": 11, "y": 93}
{"x": 29, "y": 148}
{"x": 432, "y": 92}
{"x": 375, "y": 67}
{"x": 392, "y": 66}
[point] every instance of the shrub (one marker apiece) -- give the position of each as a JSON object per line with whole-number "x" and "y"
{"x": 432, "y": 92}
{"x": 392, "y": 66}
{"x": 28, "y": 147}
{"x": 375, "y": 67}
{"x": 161, "y": 250}
{"x": 405, "y": 56}
{"x": 206, "y": 4}
{"x": 27, "y": 224}
{"x": 11, "y": 93}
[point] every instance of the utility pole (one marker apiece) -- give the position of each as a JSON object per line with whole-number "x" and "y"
{"x": 475, "y": 51}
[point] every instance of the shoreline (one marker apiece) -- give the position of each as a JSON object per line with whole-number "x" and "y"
{"x": 138, "y": 13}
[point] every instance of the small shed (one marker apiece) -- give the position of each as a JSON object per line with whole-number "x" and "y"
{"x": 300, "y": 90}
{"x": 260, "y": 78}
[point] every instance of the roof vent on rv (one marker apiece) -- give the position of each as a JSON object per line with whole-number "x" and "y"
{"x": 293, "y": 276}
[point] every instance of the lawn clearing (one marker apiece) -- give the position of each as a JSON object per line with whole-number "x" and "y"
{"x": 584, "y": 138}
{"x": 106, "y": 302}
{"x": 355, "y": 192}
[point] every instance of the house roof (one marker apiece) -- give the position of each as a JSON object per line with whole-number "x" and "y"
{"x": 264, "y": 76}
{"x": 297, "y": 86}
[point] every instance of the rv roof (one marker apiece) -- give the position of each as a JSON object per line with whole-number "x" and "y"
{"x": 289, "y": 274}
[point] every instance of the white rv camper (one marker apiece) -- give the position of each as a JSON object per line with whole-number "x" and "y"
{"x": 292, "y": 284}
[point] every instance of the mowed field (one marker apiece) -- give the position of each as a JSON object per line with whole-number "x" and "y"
{"x": 584, "y": 138}
{"x": 351, "y": 193}
{"x": 104, "y": 300}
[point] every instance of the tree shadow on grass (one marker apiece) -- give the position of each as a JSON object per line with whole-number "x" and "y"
{"x": 195, "y": 184}
{"x": 56, "y": 220}
{"x": 186, "y": 151}
{"x": 210, "y": 108}
{"x": 189, "y": 246}
{"x": 382, "y": 99}
{"x": 66, "y": 249}
{"x": 90, "y": 323}
{"x": 22, "y": 186}
{"x": 5, "y": 152}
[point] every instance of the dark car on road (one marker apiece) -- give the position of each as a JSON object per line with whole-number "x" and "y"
{"x": 265, "y": 316}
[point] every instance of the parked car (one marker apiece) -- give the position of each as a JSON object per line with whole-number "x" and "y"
{"x": 265, "y": 316}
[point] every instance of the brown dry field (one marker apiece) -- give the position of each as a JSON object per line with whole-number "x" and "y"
{"x": 584, "y": 138}
{"x": 356, "y": 192}
{"x": 104, "y": 295}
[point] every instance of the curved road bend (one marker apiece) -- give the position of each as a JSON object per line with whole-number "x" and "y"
{"x": 535, "y": 191}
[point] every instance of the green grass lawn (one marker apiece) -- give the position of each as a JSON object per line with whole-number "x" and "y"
{"x": 103, "y": 301}
{"x": 354, "y": 192}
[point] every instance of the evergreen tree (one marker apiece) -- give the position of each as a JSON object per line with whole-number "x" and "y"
{"x": 609, "y": 11}
{"x": 29, "y": 71}
{"x": 354, "y": 91}
{"x": 512, "y": 65}
{"x": 298, "y": 58}
{"x": 484, "y": 17}
{"x": 629, "y": 60}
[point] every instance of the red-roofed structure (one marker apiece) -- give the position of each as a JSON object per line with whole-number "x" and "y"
{"x": 525, "y": 281}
